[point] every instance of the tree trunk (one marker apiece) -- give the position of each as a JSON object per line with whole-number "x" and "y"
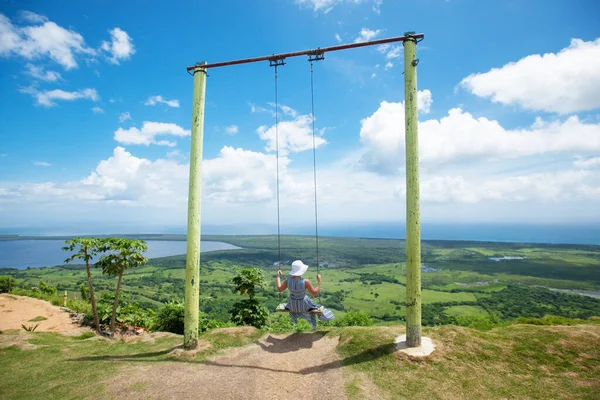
{"x": 92, "y": 297}
{"x": 114, "y": 312}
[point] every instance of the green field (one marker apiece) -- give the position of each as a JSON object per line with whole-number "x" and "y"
{"x": 459, "y": 279}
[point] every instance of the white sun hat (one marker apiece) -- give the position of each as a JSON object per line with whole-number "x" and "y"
{"x": 298, "y": 268}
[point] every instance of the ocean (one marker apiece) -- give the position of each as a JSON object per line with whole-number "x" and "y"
{"x": 21, "y": 254}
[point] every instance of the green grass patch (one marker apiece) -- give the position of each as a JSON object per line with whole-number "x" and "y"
{"x": 516, "y": 361}
{"x": 38, "y": 319}
{"x": 465, "y": 311}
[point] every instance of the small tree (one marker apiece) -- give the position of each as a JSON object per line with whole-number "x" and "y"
{"x": 249, "y": 311}
{"x": 123, "y": 254}
{"x": 85, "y": 249}
{"x": 7, "y": 283}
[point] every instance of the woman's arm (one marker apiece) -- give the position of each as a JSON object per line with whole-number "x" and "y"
{"x": 281, "y": 287}
{"x": 312, "y": 290}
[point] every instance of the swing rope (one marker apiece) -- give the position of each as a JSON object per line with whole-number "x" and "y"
{"x": 277, "y": 168}
{"x": 312, "y": 106}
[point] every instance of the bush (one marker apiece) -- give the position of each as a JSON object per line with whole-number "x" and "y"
{"x": 250, "y": 312}
{"x": 206, "y": 324}
{"x": 170, "y": 318}
{"x": 281, "y": 322}
{"x": 7, "y": 282}
{"x": 47, "y": 289}
{"x": 354, "y": 318}
{"x": 85, "y": 291}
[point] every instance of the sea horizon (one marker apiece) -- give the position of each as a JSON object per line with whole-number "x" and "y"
{"x": 550, "y": 233}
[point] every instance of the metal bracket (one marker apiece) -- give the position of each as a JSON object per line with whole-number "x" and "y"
{"x": 410, "y": 36}
{"x": 317, "y": 55}
{"x": 415, "y": 62}
{"x": 276, "y": 62}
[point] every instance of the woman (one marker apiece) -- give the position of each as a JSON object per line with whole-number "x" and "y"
{"x": 299, "y": 304}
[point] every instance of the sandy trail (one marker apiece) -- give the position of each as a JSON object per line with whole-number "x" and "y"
{"x": 17, "y": 310}
{"x": 297, "y": 366}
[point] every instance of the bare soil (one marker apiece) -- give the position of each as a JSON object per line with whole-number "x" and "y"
{"x": 295, "y": 366}
{"x": 18, "y": 310}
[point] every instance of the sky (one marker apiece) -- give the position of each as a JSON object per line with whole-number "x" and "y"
{"x": 95, "y": 113}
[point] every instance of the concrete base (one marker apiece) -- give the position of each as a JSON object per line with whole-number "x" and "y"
{"x": 424, "y": 350}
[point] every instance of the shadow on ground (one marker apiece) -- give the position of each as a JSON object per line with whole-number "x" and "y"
{"x": 291, "y": 343}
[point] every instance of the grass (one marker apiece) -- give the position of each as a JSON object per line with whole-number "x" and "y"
{"x": 531, "y": 359}
{"x": 75, "y": 367}
{"x": 38, "y": 319}
{"x": 464, "y": 311}
{"x": 516, "y": 361}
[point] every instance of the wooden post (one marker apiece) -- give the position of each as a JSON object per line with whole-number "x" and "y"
{"x": 65, "y": 299}
{"x": 413, "y": 227}
{"x": 192, "y": 266}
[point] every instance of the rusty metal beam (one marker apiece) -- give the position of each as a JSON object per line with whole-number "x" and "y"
{"x": 314, "y": 52}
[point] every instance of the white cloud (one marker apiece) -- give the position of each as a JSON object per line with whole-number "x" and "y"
{"x": 124, "y": 117}
{"x": 461, "y": 137}
{"x": 388, "y": 65}
{"x": 47, "y": 98}
{"x": 390, "y": 51}
{"x": 366, "y": 35}
{"x": 45, "y": 38}
{"x": 563, "y": 82}
{"x": 587, "y": 163}
{"x": 39, "y": 73}
{"x": 149, "y": 131}
{"x": 377, "y": 6}
{"x": 153, "y": 100}
{"x": 256, "y": 109}
{"x": 326, "y": 6}
{"x": 539, "y": 187}
{"x": 32, "y": 17}
{"x": 174, "y": 153}
{"x": 232, "y": 129}
{"x": 120, "y": 47}
{"x": 97, "y": 110}
{"x": 286, "y": 109}
{"x": 394, "y": 52}
{"x": 294, "y": 136}
{"x": 234, "y": 176}
{"x": 338, "y": 38}
{"x": 373, "y": 75}
{"x": 424, "y": 100}
{"x": 42, "y": 164}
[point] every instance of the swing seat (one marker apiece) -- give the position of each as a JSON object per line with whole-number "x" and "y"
{"x": 281, "y": 308}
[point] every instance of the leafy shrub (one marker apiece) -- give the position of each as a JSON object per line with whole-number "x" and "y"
{"x": 170, "y": 318}
{"x": 85, "y": 291}
{"x": 133, "y": 315}
{"x": 281, "y": 322}
{"x": 128, "y": 313}
{"x": 250, "y": 312}
{"x": 7, "y": 282}
{"x": 47, "y": 289}
{"x": 354, "y": 318}
{"x": 206, "y": 324}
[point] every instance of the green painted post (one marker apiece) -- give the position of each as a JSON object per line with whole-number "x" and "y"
{"x": 413, "y": 225}
{"x": 192, "y": 265}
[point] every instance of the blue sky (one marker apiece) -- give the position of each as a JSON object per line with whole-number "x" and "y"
{"x": 96, "y": 107}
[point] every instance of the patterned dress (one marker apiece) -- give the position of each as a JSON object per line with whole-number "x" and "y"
{"x": 299, "y": 304}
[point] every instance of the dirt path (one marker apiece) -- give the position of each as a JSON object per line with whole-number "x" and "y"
{"x": 297, "y": 366}
{"x": 17, "y": 310}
